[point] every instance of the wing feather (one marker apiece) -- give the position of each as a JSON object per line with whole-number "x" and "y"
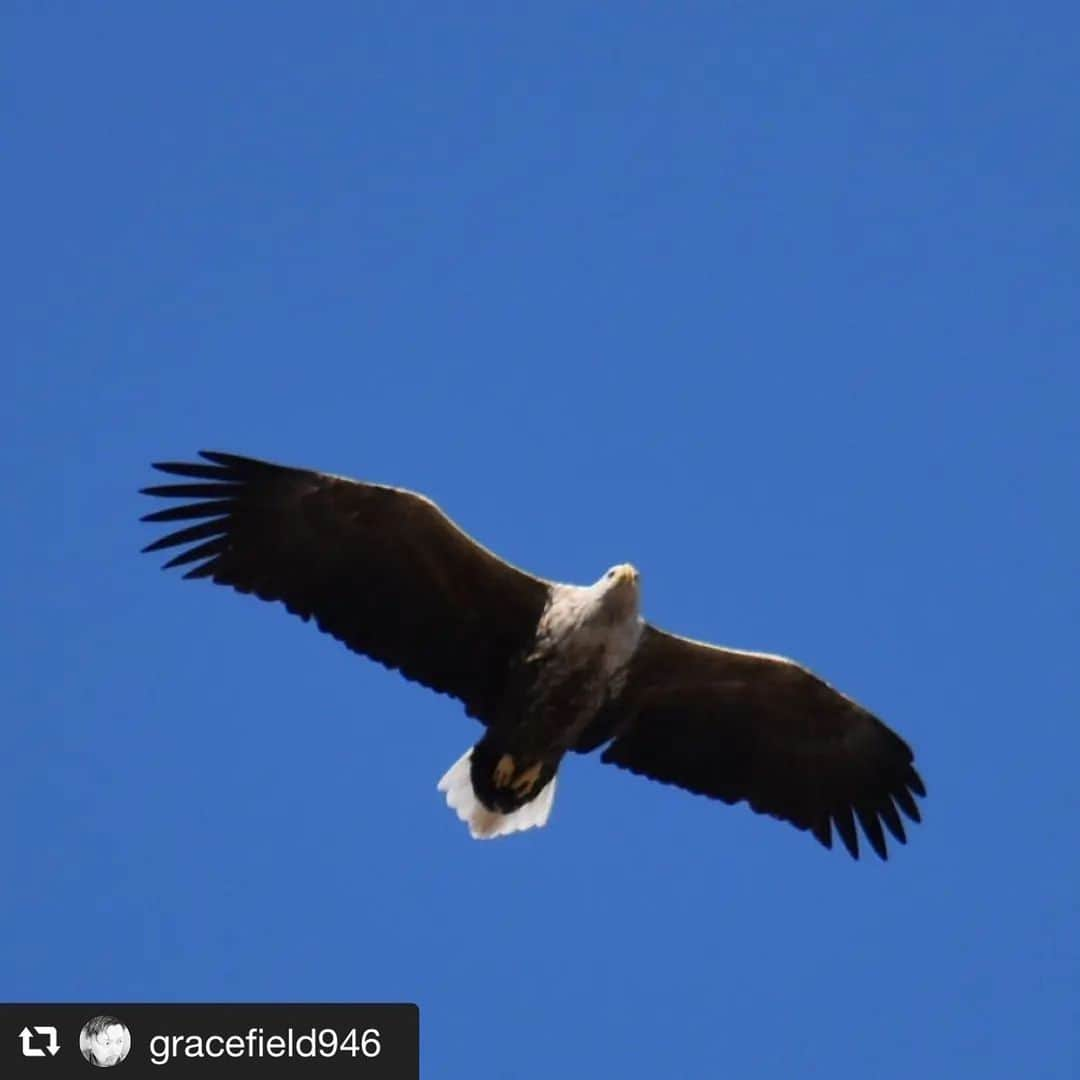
{"x": 747, "y": 726}
{"x": 382, "y": 569}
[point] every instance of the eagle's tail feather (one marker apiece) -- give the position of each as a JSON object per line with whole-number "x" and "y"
{"x": 485, "y": 824}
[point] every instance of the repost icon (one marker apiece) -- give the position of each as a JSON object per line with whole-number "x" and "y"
{"x": 38, "y": 1040}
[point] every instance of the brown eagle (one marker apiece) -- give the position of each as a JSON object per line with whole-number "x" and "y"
{"x": 545, "y": 667}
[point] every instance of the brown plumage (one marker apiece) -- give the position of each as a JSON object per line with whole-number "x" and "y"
{"x": 738, "y": 725}
{"x": 386, "y": 572}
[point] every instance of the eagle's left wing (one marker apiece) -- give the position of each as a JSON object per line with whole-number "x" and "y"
{"x": 748, "y": 726}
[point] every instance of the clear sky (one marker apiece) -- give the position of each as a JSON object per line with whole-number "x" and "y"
{"x": 777, "y": 301}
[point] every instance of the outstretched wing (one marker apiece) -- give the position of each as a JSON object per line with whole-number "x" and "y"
{"x": 381, "y": 569}
{"x": 737, "y": 725}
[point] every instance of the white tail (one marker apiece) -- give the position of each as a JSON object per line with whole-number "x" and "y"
{"x": 485, "y": 824}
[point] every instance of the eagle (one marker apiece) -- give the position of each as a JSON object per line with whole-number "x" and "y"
{"x": 546, "y": 668}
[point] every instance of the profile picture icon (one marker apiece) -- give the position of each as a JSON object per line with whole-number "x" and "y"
{"x": 104, "y": 1041}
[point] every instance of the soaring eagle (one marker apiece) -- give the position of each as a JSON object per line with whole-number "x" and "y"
{"x": 545, "y": 667}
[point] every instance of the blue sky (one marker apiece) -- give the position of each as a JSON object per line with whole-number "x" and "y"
{"x": 778, "y": 303}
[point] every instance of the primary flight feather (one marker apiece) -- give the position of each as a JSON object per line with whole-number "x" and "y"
{"x": 545, "y": 667}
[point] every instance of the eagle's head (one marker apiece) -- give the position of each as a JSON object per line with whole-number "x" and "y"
{"x": 620, "y": 595}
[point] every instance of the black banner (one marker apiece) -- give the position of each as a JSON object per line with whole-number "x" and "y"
{"x": 58, "y": 1042}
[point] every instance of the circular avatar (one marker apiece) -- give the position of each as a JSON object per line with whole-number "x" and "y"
{"x": 104, "y": 1041}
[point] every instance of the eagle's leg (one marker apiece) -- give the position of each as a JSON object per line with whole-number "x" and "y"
{"x": 524, "y": 783}
{"x": 503, "y": 775}
{"x": 506, "y": 775}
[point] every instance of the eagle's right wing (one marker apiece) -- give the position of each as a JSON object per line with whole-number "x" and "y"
{"x": 382, "y": 569}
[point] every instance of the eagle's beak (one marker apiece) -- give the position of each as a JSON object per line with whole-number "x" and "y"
{"x": 627, "y": 573}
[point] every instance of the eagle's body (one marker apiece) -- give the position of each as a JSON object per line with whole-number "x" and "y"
{"x": 545, "y": 667}
{"x": 576, "y": 664}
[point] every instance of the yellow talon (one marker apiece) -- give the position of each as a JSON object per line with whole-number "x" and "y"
{"x": 504, "y": 771}
{"x": 524, "y": 783}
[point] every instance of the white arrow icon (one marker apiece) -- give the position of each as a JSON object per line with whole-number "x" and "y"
{"x": 33, "y": 1051}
